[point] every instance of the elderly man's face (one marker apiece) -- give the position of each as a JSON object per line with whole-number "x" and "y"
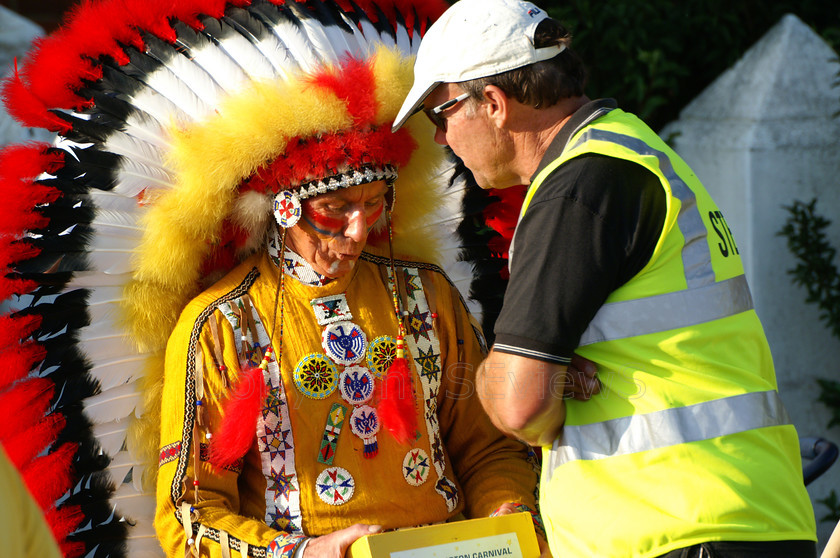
{"x": 334, "y": 227}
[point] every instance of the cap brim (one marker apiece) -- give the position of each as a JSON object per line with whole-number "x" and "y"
{"x": 413, "y": 100}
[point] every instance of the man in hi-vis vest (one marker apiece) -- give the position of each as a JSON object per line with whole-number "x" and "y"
{"x": 621, "y": 256}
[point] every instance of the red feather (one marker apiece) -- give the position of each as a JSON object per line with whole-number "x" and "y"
{"x": 24, "y": 404}
{"x": 19, "y": 360}
{"x": 15, "y": 328}
{"x": 50, "y": 476}
{"x": 13, "y": 251}
{"x": 24, "y": 446}
{"x": 239, "y": 425}
{"x": 62, "y": 522}
{"x": 28, "y": 160}
{"x": 28, "y": 109}
{"x": 9, "y": 287}
{"x": 396, "y": 404}
{"x": 355, "y": 85}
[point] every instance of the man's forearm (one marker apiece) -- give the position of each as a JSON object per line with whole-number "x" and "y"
{"x": 523, "y": 397}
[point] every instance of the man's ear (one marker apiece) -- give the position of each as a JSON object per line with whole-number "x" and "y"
{"x": 497, "y": 105}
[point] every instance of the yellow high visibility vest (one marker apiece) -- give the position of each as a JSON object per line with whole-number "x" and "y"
{"x": 688, "y": 441}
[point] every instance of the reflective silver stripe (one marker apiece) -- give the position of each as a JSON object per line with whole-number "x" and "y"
{"x": 531, "y": 353}
{"x": 660, "y": 429}
{"x": 686, "y": 308}
{"x": 697, "y": 261}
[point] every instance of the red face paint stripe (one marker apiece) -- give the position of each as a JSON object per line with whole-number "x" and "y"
{"x": 373, "y": 218}
{"x": 322, "y": 220}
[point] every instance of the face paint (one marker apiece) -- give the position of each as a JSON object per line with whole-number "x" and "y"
{"x": 330, "y": 226}
{"x": 322, "y": 224}
{"x": 370, "y": 221}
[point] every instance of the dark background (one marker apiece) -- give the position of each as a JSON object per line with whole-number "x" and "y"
{"x": 654, "y": 56}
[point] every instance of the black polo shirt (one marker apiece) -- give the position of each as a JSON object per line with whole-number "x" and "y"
{"x": 592, "y": 225}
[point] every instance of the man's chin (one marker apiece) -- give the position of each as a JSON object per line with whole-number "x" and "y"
{"x": 339, "y": 268}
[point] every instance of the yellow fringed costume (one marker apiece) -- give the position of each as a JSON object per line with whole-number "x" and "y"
{"x": 484, "y": 469}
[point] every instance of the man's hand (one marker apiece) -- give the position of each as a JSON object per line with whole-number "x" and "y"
{"x": 581, "y": 381}
{"x": 508, "y": 508}
{"x": 335, "y": 544}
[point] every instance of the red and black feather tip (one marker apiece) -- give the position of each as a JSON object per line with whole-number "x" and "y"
{"x": 486, "y": 232}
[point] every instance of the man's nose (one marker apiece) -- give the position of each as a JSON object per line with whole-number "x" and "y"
{"x": 356, "y": 226}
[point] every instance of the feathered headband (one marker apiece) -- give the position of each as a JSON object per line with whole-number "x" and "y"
{"x": 177, "y": 122}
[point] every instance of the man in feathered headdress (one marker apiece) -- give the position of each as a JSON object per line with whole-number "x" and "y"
{"x": 323, "y": 388}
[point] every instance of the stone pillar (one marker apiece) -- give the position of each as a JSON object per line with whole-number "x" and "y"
{"x": 761, "y": 136}
{"x": 16, "y": 36}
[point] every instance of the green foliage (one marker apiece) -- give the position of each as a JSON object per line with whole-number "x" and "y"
{"x": 655, "y": 56}
{"x": 833, "y": 504}
{"x": 815, "y": 270}
{"x": 830, "y": 397}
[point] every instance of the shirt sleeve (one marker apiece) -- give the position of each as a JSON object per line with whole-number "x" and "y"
{"x": 195, "y": 500}
{"x": 592, "y": 225}
{"x": 490, "y": 468}
{"x": 23, "y": 527}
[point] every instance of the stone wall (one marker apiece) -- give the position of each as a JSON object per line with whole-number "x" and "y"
{"x": 763, "y": 135}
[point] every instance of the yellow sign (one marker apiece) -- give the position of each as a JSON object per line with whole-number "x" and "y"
{"x": 505, "y": 536}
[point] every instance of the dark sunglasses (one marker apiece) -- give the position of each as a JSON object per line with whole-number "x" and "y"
{"x": 435, "y": 116}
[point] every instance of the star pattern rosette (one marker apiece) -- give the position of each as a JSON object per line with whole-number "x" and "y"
{"x": 335, "y": 486}
{"x": 381, "y": 354}
{"x": 416, "y": 467}
{"x": 315, "y": 376}
{"x": 286, "y": 209}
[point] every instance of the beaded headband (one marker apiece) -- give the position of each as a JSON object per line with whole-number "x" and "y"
{"x": 287, "y": 208}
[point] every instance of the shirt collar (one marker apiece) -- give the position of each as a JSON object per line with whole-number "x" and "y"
{"x": 583, "y": 116}
{"x": 293, "y": 264}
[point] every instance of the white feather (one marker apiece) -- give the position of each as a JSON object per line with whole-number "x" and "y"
{"x": 111, "y": 436}
{"x": 315, "y": 36}
{"x": 112, "y": 260}
{"x": 327, "y": 41}
{"x": 159, "y": 107}
{"x": 133, "y": 177}
{"x": 119, "y": 371}
{"x": 121, "y": 465}
{"x": 142, "y": 538}
{"x": 247, "y": 56}
{"x": 143, "y": 547}
{"x": 361, "y": 46}
{"x": 93, "y": 280}
{"x": 117, "y": 201}
{"x": 115, "y": 404}
{"x": 196, "y": 78}
{"x": 138, "y": 149}
{"x": 144, "y": 127}
{"x": 296, "y": 44}
{"x": 101, "y": 345}
{"x": 403, "y": 40}
{"x": 104, "y": 312}
{"x": 116, "y": 237}
{"x": 275, "y": 52}
{"x": 108, "y": 294}
{"x": 373, "y": 35}
{"x": 133, "y": 503}
{"x": 218, "y": 64}
{"x": 165, "y": 82}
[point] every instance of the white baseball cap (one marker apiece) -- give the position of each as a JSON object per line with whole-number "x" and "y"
{"x": 475, "y": 39}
